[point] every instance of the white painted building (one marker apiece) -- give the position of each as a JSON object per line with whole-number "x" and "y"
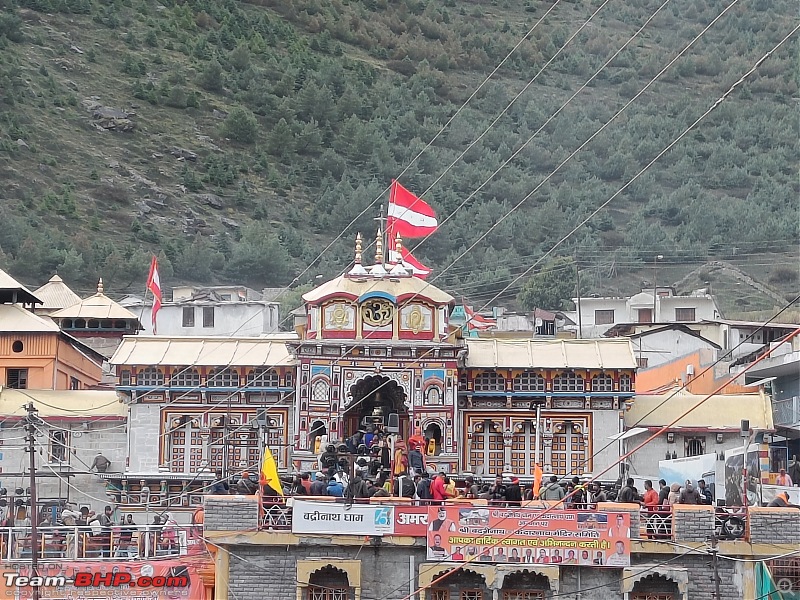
{"x": 212, "y": 311}
{"x": 657, "y": 346}
{"x": 595, "y": 316}
{"x": 76, "y": 426}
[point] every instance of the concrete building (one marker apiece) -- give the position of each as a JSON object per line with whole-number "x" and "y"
{"x": 713, "y": 427}
{"x": 76, "y": 427}
{"x": 659, "y": 345}
{"x": 595, "y": 316}
{"x": 210, "y": 311}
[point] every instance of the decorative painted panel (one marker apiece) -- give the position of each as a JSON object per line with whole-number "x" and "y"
{"x": 339, "y": 317}
{"x": 416, "y": 318}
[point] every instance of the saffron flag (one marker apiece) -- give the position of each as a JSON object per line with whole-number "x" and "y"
{"x": 269, "y": 473}
{"x": 409, "y": 215}
{"x": 154, "y": 285}
{"x": 537, "y": 479}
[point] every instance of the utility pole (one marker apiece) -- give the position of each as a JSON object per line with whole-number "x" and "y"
{"x": 30, "y": 428}
{"x": 578, "y": 294}
{"x": 715, "y": 564}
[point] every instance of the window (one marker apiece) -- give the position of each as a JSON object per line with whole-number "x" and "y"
{"x": 17, "y": 346}
{"x": 440, "y": 595}
{"x": 641, "y": 362}
{"x": 263, "y": 378}
{"x": 471, "y": 595}
{"x": 327, "y": 593}
{"x": 695, "y": 446}
{"x": 223, "y": 378}
{"x": 625, "y": 383}
{"x": 185, "y": 377}
{"x": 489, "y": 381}
{"x": 434, "y": 395}
{"x": 529, "y": 382}
{"x": 188, "y": 316}
{"x": 150, "y": 376}
{"x": 654, "y": 596}
{"x": 208, "y": 316}
{"x": 125, "y": 377}
{"x": 74, "y": 383}
{"x": 602, "y": 383}
{"x": 17, "y": 379}
{"x": 568, "y": 382}
{"x": 645, "y": 315}
{"x": 604, "y": 317}
{"x": 58, "y": 446}
{"x": 320, "y": 391}
{"x": 685, "y": 314}
{"x": 523, "y": 595}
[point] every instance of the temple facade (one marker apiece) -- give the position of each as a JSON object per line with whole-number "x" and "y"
{"x": 373, "y": 346}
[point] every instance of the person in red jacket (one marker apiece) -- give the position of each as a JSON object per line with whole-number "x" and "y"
{"x": 439, "y": 487}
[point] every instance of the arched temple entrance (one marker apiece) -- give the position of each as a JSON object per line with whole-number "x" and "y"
{"x": 373, "y": 400}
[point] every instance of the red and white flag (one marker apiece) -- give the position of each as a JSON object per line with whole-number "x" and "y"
{"x": 154, "y": 285}
{"x": 476, "y": 321}
{"x": 408, "y": 215}
{"x": 406, "y": 259}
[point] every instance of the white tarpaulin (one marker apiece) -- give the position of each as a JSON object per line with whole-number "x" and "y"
{"x": 341, "y": 519}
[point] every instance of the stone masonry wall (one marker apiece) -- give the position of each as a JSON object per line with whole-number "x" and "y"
{"x": 774, "y": 526}
{"x": 692, "y": 523}
{"x": 231, "y": 513}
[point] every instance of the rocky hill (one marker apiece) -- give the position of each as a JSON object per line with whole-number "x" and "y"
{"x": 237, "y": 139}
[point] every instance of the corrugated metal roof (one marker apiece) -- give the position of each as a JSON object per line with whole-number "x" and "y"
{"x": 395, "y": 286}
{"x": 63, "y": 403}
{"x": 14, "y": 318}
{"x": 9, "y": 285}
{"x": 55, "y": 294}
{"x": 551, "y": 354}
{"x": 98, "y": 306}
{"x": 210, "y": 352}
{"x": 720, "y": 411}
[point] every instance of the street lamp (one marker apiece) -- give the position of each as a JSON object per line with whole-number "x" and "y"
{"x": 655, "y": 284}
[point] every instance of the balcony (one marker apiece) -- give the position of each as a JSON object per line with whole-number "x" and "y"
{"x": 135, "y": 542}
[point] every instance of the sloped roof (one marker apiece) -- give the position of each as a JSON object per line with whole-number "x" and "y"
{"x": 55, "y": 294}
{"x": 394, "y": 286}
{"x": 14, "y": 318}
{"x": 720, "y": 411}
{"x": 10, "y": 286}
{"x": 199, "y": 351}
{"x": 616, "y": 353}
{"x": 78, "y": 404}
{"x": 675, "y": 327}
{"x": 98, "y": 306}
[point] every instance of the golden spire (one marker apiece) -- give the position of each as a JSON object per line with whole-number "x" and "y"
{"x": 100, "y": 286}
{"x": 358, "y": 249}
{"x": 379, "y": 248}
{"x": 398, "y": 247}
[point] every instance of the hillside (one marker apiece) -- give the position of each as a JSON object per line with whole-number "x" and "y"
{"x": 236, "y": 140}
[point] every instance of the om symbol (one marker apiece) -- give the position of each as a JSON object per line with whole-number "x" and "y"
{"x": 377, "y": 313}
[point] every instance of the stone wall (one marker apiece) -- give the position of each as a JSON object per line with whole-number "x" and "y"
{"x": 145, "y": 426}
{"x": 774, "y": 525}
{"x": 231, "y": 513}
{"x": 692, "y": 523}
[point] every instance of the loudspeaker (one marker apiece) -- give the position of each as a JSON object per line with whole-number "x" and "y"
{"x": 745, "y": 428}
{"x": 393, "y": 425}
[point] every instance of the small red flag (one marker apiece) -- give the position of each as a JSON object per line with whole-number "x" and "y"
{"x": 154, "y": 285}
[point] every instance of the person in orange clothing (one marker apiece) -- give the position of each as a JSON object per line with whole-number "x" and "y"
{"x": 650, "y": 497}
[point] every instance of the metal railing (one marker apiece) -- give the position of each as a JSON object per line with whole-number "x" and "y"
{"x": 655, "y": 523}
{"x": 83, "y": 542}
{"x": 787, "y": 411}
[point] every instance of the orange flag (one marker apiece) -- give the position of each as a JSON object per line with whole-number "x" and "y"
{"x": 537, "y": 480}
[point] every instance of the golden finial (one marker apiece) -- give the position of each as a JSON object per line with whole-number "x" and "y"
{"x": 358, "y": 249}
{"x": 398, "y": 247}
{"x": 379, "y": 248}
{"x": 100, "y": 286}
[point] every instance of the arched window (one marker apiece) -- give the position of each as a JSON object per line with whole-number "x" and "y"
{"x": 489, "y": 381}
{"x": 66, "y": 324}
{"x": 433, "y": 395}
{"x": 320, "y": 391}
{"x": 150, "y": 376}
{"x": 226, "y": 377}
{"x": 568, "y": 382}
{"x": 185, "y": 377}
{"x": 263, "y": 378}
{"x": 625, "y": 383}
{"x": 328, "y": 583}
{"x": 695, "y": 446}
{"x": 93, "y": 324}
{"x": 602, "y": 383}
{"x": 80, "y": 324}
{"x": 529, "y": 382}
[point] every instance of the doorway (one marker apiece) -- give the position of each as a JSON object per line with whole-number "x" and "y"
{"x": 374, "y": 399}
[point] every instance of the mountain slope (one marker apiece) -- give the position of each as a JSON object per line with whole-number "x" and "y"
{"x": 237, "y": 139}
